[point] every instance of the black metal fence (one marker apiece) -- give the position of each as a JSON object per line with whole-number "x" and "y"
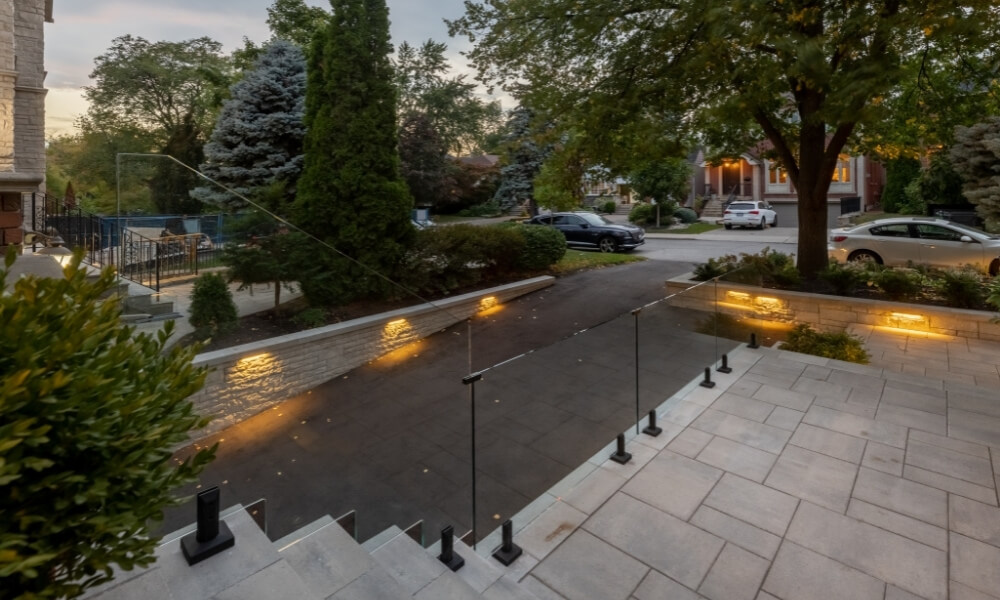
{"x": 150, "y": 261}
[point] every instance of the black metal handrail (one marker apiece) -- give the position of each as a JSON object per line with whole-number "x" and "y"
{"x": 77, "y": 227}
{"x": 149, "y": 261}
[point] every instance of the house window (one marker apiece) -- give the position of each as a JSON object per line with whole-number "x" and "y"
{"x": 842, "y": 173}
{"x": 777, "y": 175}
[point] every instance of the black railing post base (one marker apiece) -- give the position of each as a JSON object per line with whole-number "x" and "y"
{"x": 620, "y": 456}
{"x": 448, "y": 556}
{"x": 707, "y": 381}
{"x": 753, "y": 341}
{"x": 652, "y": 429}
{"x": 725, "y": 368}
{"x": 213, "y": 535}
{"x": 508, "y": 551}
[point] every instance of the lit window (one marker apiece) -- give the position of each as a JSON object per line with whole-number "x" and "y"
{"x": 842, "y": 174}
{"x": 777, "y": 175}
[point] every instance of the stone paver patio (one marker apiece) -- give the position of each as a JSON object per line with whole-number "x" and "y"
{"x": 796, "y": 477}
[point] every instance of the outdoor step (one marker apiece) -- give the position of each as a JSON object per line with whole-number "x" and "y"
{"x": 421, "y": 574}
{"x": 153, "y": 304}
{"x": 330, "y": 561}
{"x": 373, "y": 543}
{"x": 486, "y": 575}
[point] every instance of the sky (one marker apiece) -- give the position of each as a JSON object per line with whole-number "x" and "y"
{"x": 83, "y": 29}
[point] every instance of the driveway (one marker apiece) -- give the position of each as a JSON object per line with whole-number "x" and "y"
{"x": 392, "y": 439}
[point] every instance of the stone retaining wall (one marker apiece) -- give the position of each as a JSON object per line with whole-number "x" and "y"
{"x": 245, "y": 380}
{"x": 830, "y": 313}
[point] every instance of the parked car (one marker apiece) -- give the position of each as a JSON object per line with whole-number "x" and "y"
{"x": 588, "y": 230}
{"x": 921, "y": 240}
{"x": 749, "y": 214}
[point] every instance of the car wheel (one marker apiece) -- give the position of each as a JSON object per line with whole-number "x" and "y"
{"x": 774, "y": 223}
{"x": 607, "y": 244}
{"x": 728, "y": 225}
{"x": 763, "y": 222}
{"x": 864, "y": 256}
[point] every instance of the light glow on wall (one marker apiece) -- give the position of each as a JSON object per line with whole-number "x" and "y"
{"x": 489, "y": 305}
{"x": 908, "y": 321}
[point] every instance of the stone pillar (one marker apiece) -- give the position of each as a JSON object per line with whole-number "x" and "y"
{"x": 29, "y": 102}
{"x": 8, "y": 78}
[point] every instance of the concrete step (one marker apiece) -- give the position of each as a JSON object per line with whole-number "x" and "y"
{"x": 374, "y": 542}
{"x": 329, "y": 561}
{"x": 487, "y": 576}
{"x": 423, "y": 576}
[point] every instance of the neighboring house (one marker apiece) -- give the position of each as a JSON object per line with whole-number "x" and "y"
{"x": 22, "y": 110}
{"x": 602, "y": 189}
{"x": 751, "y": 176}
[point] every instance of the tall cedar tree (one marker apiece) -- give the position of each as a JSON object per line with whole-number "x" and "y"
{"x": 350, "y": 194}
{"x": 257, "y": 139}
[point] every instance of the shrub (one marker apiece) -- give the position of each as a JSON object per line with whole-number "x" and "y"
{"x": 212, "y": 308}
{"x": 841, "y": 346}
{"x": 715, "y": 267}
{"x": 844, "y": 279}
{"x": 898, "y": 284}
{"x": 686, "y": 215}
{"x": 310, "y": 318}
{"x": 455, "y": 256}
{"x": 642, "y": 214}
{"x": 609, "y": 207}
{"x": 91, "y": 414}
{"x": 543, "y": 247}
{"x": 486, "y": 209}
{"x": 960, "y": 288}
{"x": 768, "y": 267}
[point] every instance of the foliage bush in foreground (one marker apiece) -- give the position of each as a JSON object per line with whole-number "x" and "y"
{"x": 686, "y": 215}
{"x": 844, "y": 278}
{"x": 543, "y": 247}
{"x": 90, "y": 414}
{"x": 768, "y": 267}
{"x": 961, "y": 288}
{"x": 841, "y": 346}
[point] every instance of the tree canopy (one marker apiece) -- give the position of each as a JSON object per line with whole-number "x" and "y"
{"x": 808, "y": 76}
{"x": 90, "y": 415}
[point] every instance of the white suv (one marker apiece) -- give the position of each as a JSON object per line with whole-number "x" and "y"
{"x": 749, "y": 214}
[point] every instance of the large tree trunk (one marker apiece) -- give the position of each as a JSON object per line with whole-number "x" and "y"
{"x": 811, "y": 187}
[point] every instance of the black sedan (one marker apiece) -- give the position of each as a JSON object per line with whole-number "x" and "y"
{"x": 589, "y": 230}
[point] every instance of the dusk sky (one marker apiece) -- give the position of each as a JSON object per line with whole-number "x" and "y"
{"x": 83, "y": 30}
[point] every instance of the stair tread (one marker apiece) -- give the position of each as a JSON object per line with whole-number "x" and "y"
{"x": 421, "y": 574}
{"x": 328, "y": 559}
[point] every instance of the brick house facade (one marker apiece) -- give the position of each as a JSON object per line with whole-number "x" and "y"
{"x": 22, "y": 109}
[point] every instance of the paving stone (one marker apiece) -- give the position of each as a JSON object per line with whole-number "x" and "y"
{"x": 744, "y": 388}
{"x": 506, "y": 588}
{"x": 447, "y": 586}
{"x": 373, "y": 584}
{"x": 690, "y": 442}
{"x": 884, "y": 458}
{"x": 539, "y": 589}
{"x": 799, "y": 401}
{"x": 738, "y": 429}
{"x": 673, "y": 483}
{"x": 766, "y": 596}
{"x": 975, "y": 520}
{"x": 657, "y": 586}
{"x": 595, "y": 489}
{"x": 974, "y": 564}
{"x": 737, "y": 458}
{"x": 903, "y": 496}
{"x": 973, "y": 402}
{"x": 817, "y": 372}
{"x": 736, "y": 575}
{"x": 755, "y": 410}
{"x": 853, "y": 379}
{"x": 907, "y": 564}
{"x": 951, "y": 444}
{"x": 737, "y": 532}
{"x": 950, "y": 484}
{"x": 867, "y": 397}
{"x": 894, "y": 593}
{"x": 785, "y": 418}
{"x": 822, "y": 388}
{"x": 585, "y": 566}
{"x": 885, "y": 433}
{"x": 683, "y": 413}
{"x": 908, "y": 527}
{"x": 830, "y": 443}
{"x": 909, "y": 417}
{"x": 963, "y": 592}
{"x": 753, "y": 503}
{"x": 932, "y": 403}
{"x": 973, "y": 427}
{"x": 550, "y": 529}
{"x": 948, "y": 462}
{"x": 801, "y": 574}
{"x": 899, "y": 381}
{"x": 861, "y": 410}
{"x": 815, "y": 477}
{"x": 678, "y": 550}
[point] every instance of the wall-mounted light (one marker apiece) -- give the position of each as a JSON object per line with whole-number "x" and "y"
{"x": 907, "y": 321}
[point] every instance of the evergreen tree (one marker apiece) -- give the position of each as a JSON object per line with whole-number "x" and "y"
{"x": 258, "y": 137}
{"x": 976, "y": 157}
{"x": 350, "y": 193}
{"x": 424, "y": 162}
{"x": 525, "y": 157}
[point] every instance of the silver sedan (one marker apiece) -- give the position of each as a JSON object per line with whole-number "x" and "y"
{"x": 920, "y": 240}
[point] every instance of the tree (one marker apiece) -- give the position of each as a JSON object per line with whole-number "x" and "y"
{"x": 424, "y": 162}
{"x": 662, "y": 180}
{"x": 91, "y": 413}
{"x": 899, "y": 173}
{"x": 805, "y": 75}
{"x": 295, "y": 21}
{"x": 525, "y": 156}
{"x": 559, "y": 183}
{"x": 350, "y": 194}
{"x": 976, "y": 157}
{"x": 257, "y": 139}
{"x": 168, "y": 91}
{"x": 264, "y": 251}
{"x": 461, "y": 119}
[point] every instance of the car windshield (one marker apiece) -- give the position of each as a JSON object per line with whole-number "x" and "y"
{"x": 593, "y": 219}
{"x": 742, "y": 206}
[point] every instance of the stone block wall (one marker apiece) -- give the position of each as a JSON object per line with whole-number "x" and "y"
{"x": 245, "y": 380}
{"x": 829, "y": 313}
{"x": 29, "y": 101}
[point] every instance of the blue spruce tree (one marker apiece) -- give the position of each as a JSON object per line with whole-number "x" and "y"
{"x": 257, "y": 141}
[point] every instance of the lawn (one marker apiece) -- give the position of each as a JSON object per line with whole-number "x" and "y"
{"x": 694, "y": 228}
{"x": 578, "y": 260}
